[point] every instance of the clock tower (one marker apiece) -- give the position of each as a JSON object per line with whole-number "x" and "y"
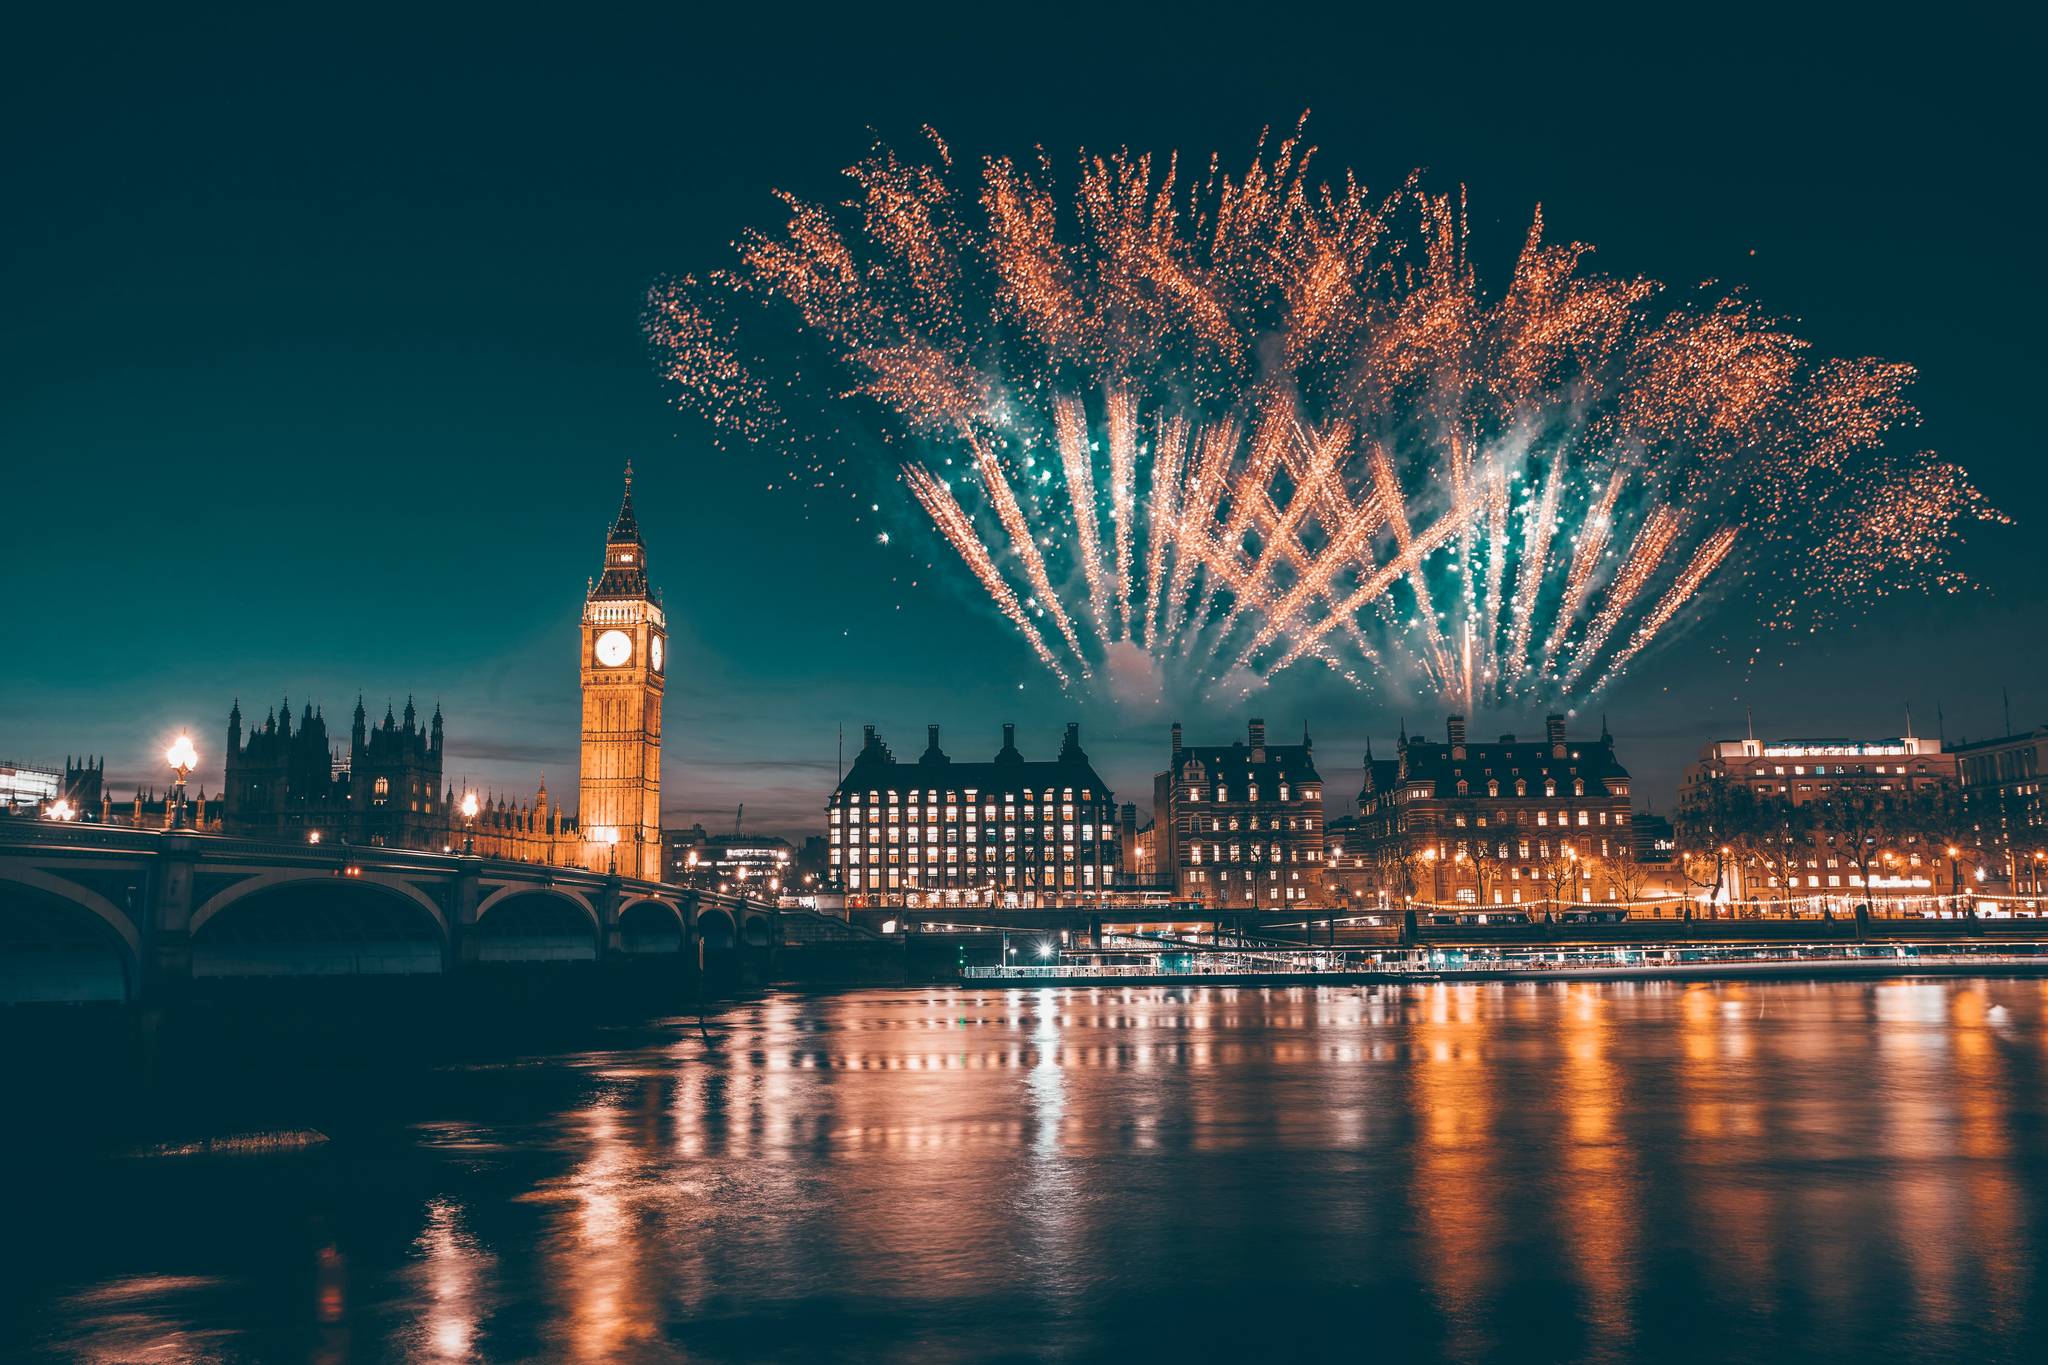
{"x": 625, "y": 649}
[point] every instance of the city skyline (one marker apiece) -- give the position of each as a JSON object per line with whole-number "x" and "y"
{"x": 378, "y": 451}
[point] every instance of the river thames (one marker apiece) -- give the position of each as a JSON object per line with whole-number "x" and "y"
{"x": 1544, "y": 1171}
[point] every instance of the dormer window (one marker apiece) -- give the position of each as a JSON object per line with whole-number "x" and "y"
{"x": 1521, "y": 787}
{"x": 1493, "y": 788}
{"x": 1578, "y": 787}
{"x": 1549, "y": 787}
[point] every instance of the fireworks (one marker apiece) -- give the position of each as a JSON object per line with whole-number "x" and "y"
{"x": 1238, "y": 423}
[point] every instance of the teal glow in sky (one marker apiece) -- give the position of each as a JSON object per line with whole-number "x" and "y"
{"x": 322, "y": 356}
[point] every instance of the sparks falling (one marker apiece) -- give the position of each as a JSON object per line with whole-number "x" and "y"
{"x": 1243, "y": 422}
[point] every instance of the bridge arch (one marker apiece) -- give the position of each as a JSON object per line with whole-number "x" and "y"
{"x": 293, "y": 924}
{"x": 716, "y": 929}
{"x": 536, "y": 923}
{"x": 650, "y": 924}
{"x": 60, "y": 941}
{"x": 512, "y": 889}
{"x": 268, "y": 881}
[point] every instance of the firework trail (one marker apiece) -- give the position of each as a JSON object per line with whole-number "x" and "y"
{"x": 1237, "y": 422}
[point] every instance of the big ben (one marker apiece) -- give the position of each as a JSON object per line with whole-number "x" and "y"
{"x": 625, "y": 646}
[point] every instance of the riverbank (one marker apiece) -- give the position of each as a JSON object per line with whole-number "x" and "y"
{"x": 1663, "y": 963}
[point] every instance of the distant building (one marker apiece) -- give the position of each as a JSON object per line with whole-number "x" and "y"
{"x": 25, "y": 786}
{"x": 1351, "y": 876}
{"x": 1762, "y": 817}
{"x": 1240, "y": 826}
{"x": 1656, "y": 840}
{"x": 1509, "y": 823}
{"x": 85, "y": 786}
{"x": 1802, "y": 770}
{"x": 286, "y": 783}
{"x": 1009, "y": 833}
{"x": 2001, "y": 793}
{"x": 744, "y": 864}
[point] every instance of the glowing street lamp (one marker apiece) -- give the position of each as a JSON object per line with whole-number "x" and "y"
{"x": 63, "y": 810}
{"x": 611, "y": 839}
{"x": 468, "y": 824}
{"x": 183, "y": 758}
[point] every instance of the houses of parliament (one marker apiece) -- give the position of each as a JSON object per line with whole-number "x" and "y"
{"x": 284, "y": 779}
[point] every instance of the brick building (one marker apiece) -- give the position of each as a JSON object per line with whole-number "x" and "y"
{"x": 1529, "y": 823}
{"x": 1240, "y": 825}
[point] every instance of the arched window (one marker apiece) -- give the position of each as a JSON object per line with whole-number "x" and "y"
{"x": 1462, "y": 786}
{"x": 382, "y": 789}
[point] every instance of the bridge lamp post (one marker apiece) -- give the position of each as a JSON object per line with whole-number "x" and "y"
{"x": 63, "y": 810}
{"x": 611, "y": 840}
{"x": 183, "y": 758}
{"x": 468, "y": 824}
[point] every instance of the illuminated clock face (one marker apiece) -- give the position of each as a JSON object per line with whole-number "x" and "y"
{"x": 655, "y": 651}
{"x": 614, "y": 647}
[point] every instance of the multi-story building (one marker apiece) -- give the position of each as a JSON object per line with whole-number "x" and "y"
{"x": 288, "y": 783}
{"x": 1240, "y": 826}
{"x": 1510, "y": 823}
{"x": 535, "y": 831}
{"x": 750, "y": 864}
{"x": 1009, "y": 833}
{"x": 1799, "y": 771}
{"x": 22, "y": 786}
{"x": 2001, "y": 794}
{"x": 1763, "y": 817}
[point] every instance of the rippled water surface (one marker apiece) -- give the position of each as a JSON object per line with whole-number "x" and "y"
{"x": 1839, "y": 1171}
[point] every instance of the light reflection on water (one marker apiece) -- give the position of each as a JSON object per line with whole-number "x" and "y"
{"x": 1555, "y": 1170}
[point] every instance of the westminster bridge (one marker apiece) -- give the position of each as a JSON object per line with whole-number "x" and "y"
{"x": 103, "y": 913}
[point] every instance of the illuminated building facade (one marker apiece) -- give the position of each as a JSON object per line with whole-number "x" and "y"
{"x": 744, "y": 864}
{"x": 2000, "y": 782}
{"x": 1530, "y": 823}
{"x": 1240, "y": 826}
{"x": 1009, "y": 833}
{"x": 1799, "y": 771}
{"x": 22, "y": 786}
{"x": 624, "y": 669}
{"x": 1786, "y": 815}
{"x": 534, "y": 831}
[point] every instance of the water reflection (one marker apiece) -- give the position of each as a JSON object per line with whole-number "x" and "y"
{"x": 1578, "y": 1171}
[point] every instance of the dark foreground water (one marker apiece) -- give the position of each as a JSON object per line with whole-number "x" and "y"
{"x": 1839, "y": 1171}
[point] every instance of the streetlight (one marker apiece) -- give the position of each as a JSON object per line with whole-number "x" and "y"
{"x": 63, "y": 810}
{"x": 183, "y": 758}
{"x": 468, "y": 824}
{"x": 611, "y": 839}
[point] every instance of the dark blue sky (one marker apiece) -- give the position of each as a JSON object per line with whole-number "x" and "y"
{"x": 321, "y": 354}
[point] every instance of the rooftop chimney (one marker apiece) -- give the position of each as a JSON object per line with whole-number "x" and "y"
{"x": 1008, "y": 753}
{"x": 1553, "y": 730}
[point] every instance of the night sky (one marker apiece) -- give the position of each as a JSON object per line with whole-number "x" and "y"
{"x": 321, "y": 355}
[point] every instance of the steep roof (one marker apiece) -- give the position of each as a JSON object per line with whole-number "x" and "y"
{"x": 1592, "y": 762}
{"x": 1239, "y": 763}
{"x": 875, "y": 768}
